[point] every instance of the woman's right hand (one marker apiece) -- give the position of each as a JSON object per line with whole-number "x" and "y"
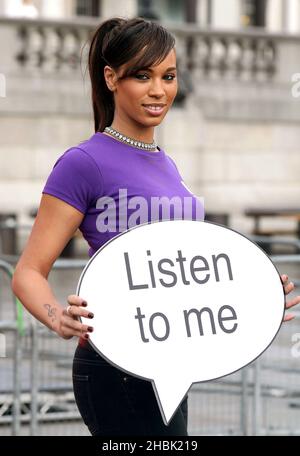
{"x": 69, "y": 324}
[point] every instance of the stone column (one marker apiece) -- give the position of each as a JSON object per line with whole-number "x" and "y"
{"x": 11, "y": 6}
{"x": 226, "y": 15}
{"x": 201, "y": 12}
{"x": 128, "y": 8}
{"x": 274, "y": 15}
{"x": 204, "y": 12}
{"x": 291, "y": 16}
{"x": 2, "y": 8}
{"x": 53, "y": 9}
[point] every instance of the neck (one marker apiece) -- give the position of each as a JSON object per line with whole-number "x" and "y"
{"x": 144, "y": 134}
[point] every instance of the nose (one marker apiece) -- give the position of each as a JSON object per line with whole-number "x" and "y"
{"x": 156, "y": 88}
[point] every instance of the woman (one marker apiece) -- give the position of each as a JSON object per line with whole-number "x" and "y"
{"x": 132, "y": 65}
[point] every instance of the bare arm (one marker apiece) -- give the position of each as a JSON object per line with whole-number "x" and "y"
{"x": 54, "y": 225}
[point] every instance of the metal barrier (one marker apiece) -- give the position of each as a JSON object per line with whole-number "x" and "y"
{"x": 236, "y": 404}
{"x": 257, "y": 392}
{"x": 42, "y": 394}
{"x": 34, "y": 331}
{"x": 38, "y": 332}
{"x": 261, "y": 364}
{"x": 13, "y": 326}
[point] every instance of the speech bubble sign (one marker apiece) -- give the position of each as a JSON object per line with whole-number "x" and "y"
{"x": 179, "y": 302}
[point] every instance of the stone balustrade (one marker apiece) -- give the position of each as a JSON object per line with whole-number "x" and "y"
{"x": 56, "y": 46}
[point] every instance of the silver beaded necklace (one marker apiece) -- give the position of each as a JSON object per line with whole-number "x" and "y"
{"x": 133, "y": 142}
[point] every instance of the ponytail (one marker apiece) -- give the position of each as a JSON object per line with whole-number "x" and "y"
{"x": 102, "y": 97}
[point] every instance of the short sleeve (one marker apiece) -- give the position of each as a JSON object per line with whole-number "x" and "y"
{"x": 174, "y": 164}
{"x": 75, "y": 179}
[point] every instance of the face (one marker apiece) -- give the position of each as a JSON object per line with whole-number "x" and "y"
{"x": 142, "y": 100}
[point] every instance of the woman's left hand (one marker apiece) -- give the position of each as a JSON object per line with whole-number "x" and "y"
{"x": 288, "y": 287}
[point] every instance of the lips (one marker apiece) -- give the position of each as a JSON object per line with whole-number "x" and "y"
{"x": 154, "y": 109}
{"x": 154, "y": 105}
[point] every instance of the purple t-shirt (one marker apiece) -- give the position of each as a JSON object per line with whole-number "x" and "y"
{"x": 117, "y": 186}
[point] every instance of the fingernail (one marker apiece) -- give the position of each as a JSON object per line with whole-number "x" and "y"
{"x": 86, "y": 336}
{"x": 91, "y": 315}
{"x": 90, "y": 329}
{"x": 84, "y": 304}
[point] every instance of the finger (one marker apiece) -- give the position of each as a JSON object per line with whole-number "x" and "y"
{"x": 292, "y": 302}
{"x": 288, "y": 317}
{"x": 68, "y": 313}
{"x": 75, "y": 300}
{"x": 77, "y": 326}
{"x": 289, "y": 287}
{"x": 284, "y": 278}
{"x": 76, "y": 312}
{"x": 69, "y": 332}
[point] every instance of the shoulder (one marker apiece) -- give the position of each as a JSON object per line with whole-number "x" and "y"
{"x": 78, "y": 166}
{"x": 81, "y": 158}
{"x": 92, "y": 151}
{"x": 94, "y": 147}
{"x": 75, "y": 178}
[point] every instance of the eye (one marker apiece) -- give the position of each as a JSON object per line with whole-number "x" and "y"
{"x": 172, "y": 77}
{"x": 141, "y": 76}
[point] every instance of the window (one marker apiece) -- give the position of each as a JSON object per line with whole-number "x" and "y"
{"x": 164, "y": 10}
{"x": 88, "y": 8}
{"x": 253, "y": 13}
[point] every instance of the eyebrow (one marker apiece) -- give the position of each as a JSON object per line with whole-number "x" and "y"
{"x": 168, "y": 69}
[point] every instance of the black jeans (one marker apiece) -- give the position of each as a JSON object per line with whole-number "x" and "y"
{"x": 112, "y": 402}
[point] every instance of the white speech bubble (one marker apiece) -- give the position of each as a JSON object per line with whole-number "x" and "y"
{"x": 223, "y": 310}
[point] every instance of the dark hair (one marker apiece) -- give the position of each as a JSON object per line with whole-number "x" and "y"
{"x": 139, "y": 42}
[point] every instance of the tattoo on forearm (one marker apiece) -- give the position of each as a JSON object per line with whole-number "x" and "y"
{"x": 51, "y": 312}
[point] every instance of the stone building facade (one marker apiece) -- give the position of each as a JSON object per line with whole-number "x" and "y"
{"x": 233, "y": 132}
